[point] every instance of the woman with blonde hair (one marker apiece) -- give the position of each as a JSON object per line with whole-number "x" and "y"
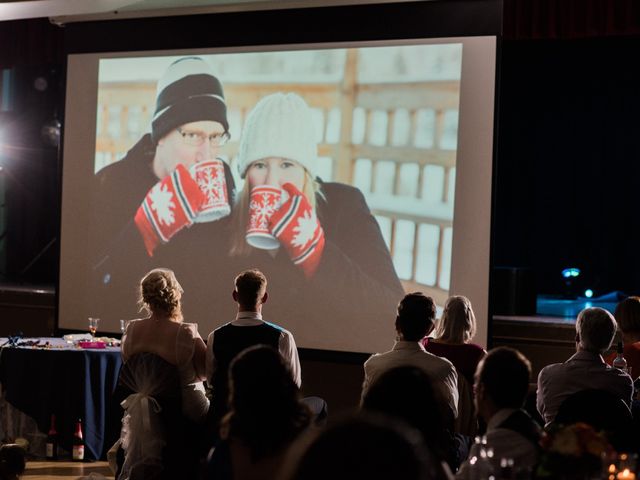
{"x": 164, "y": 333}
{"x": 160, "y": 385}
{"x": 453, "y": 334}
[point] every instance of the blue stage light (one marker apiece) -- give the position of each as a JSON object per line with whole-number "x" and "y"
{"x": 588, "y": 293}
{"x": 571, "y": 272}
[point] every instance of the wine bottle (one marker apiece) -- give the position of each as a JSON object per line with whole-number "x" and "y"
{"x": 77, "y": 451}
{"x": 620, "y": 362}
{"x": 52, "y": 441}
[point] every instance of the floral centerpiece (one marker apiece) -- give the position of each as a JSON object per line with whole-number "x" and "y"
{"x": 572, "y": 452}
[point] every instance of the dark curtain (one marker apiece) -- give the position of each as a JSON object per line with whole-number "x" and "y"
{"x": 570, "y": 19}
{"x": 32, "y": 50}
{"x": 568, "y": 174}
{"x": 32, "y": 42}
{"x": 567, "y": 169}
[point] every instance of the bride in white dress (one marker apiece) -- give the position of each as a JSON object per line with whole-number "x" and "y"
{"x": 164, "y": 334}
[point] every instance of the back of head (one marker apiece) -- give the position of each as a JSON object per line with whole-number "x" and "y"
{"x": 160, "y": 293}
{"x": 596, "y": 328}
{"x": 259, "y": 376}
{"x": 627, "y": 315}
{"x": 264, "y": 407}
{"x": 416, "y": 314}
{"x": 505, "y": 375}
{"x": 407, "y": 393}
{"x": 12, "y": 463}
{"x": 250, "y": 287}
{"x": 458, "y": 322}
{"x": 369, "y": 447}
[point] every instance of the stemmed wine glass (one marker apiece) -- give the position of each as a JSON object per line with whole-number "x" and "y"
{"x": 93, "y": 326}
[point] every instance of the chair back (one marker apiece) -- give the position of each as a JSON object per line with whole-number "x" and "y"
{"x": 152, "y": 423}
{"x": 604, "y": 411}
{"x": 466, "y": 423}
{"x": 150, "y": 374}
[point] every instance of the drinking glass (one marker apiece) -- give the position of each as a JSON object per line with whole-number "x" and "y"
{"x": 93, "y": 326}
{"x": 123, "y": 326}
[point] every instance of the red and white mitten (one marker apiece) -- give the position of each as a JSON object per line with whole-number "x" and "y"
{"x": 169, "y": 206}
{"x": 297, "y": 228}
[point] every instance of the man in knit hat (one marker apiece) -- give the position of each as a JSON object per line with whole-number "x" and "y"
{"x": 150, "y": 195}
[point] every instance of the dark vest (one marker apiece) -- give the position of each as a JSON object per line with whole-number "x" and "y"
{"x": 228, "y": 341}
{"x": 522, "y": 423}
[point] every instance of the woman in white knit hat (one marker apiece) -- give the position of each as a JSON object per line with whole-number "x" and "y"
{"x": 278, "y": 148}
{"x": 330, "y": 246}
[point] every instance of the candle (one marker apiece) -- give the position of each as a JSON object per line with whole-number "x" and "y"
{"x": 626, "y": 474}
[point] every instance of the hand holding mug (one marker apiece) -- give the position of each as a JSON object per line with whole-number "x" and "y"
{"x": 172, "y": 204}
{"x": 264, "y": 201}
{"x": 210, "y": 177}
{"x": 296, "y": 226}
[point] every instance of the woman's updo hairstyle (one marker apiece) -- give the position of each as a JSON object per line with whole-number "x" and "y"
{"x": 160, "y": 292}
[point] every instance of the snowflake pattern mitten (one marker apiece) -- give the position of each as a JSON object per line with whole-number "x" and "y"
{"x": 170, "y": 205}
{"x": 296, "y": 226}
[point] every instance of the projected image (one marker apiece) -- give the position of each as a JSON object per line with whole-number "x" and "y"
{"x": 332, "y": 171}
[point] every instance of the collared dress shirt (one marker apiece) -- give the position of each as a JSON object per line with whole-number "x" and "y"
{"x": 286, "y": 346}
{"x": 505, "y": 443}
{"x": 583, "y": 371}
{"x": 440, "y": 370}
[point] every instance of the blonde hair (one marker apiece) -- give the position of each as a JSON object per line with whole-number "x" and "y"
{"x": 239, "y": 246}
{"x": 458, "y": 322}
{"x": 160, "y": 293}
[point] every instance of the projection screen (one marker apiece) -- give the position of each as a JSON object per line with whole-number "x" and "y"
{"x": 389, "y": 147}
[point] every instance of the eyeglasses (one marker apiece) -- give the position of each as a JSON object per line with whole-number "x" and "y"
{"x": 196, "y": 139}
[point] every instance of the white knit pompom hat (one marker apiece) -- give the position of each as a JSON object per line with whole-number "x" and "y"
{"x": 280, "y": 125}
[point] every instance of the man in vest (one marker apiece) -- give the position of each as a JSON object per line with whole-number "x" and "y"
{"x": 248, "y": 329}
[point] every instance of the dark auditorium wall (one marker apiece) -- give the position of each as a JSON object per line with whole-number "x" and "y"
{"x": 568, "y": 169}
{"x": 32, "y": 56}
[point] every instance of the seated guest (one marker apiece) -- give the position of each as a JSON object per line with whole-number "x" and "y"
{"x": 501, "y": 386}
{"x": 416, "y": 314}
{"x": 165, "y": 334}
{"x": 365, "y": 447}
{"x": 452, "y": 337}
{"x": 407, "y": 393}
{"x": 265, "y": 417}
{"x": 627, "y": 315}
{"x": 160, "y": 385}
{"x": 586, "y": 369}
{"x": 248, "y": 329}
